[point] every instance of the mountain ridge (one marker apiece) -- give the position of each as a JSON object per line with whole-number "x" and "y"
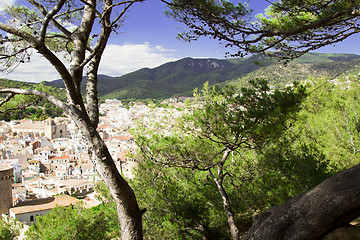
{"x": 181, "y": 77}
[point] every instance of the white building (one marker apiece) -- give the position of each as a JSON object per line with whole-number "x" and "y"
{"x": 46, "y": 128}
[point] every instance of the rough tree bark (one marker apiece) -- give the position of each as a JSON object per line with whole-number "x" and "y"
{"x": 313, "y": 214}
{"x": 129, "y": 213}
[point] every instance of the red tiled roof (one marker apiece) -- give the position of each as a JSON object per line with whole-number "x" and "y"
{"x": 122, "y": 138}
{"x": 62, "y": 157}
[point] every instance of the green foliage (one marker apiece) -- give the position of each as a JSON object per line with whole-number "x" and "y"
{"x": 293, "y": 167}
{"x": 22, "y": 106}
{"x": 246, "y": 119}
{"x": 297, "y": 27}
{"x": 74, "y": 222}
{"x": 107, "y": 207}
{"x": 186, "y": 205}
{"x": 9, "y": 228}
{"x": 330, "y": 120}
{"x": 267, "y": 165}
{"x": 281, "y": 16}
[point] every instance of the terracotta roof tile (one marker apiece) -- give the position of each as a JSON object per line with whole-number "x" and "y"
{"x": 43, "y": 204}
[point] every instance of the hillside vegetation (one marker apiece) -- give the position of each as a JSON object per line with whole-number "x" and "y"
{"x": 32, "y": 107}
{"x": 182, "y": 76}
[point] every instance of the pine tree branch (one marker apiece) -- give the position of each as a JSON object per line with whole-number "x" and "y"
{"x": 7, "y": 98}
{"x": 48, "y": 17}
{"x": 13, "y": 91}
{"x": 45, "y": 13}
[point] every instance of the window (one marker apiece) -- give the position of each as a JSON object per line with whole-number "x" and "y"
{"x": 31, "y": 218}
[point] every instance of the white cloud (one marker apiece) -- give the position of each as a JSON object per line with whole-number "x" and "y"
{"x": 5, "y": 3}
{"x": 37, "y": 70}
{"x": 116, "y": 61}
{"x": 122, "y": 59}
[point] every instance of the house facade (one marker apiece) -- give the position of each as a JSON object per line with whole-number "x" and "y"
{"x": 46, "y": 128}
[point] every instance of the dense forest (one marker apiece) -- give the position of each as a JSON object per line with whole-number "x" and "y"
{"x": 182, "y": 171}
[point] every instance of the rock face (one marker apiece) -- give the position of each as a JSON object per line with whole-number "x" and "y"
{"x": 314, "y": 214}
{"x": 351, "y": 232}
{"x": 344, "y": 233}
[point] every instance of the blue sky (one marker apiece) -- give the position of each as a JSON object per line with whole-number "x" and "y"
{"x": 148, "y": 39}
{"x": 147, "y": 22}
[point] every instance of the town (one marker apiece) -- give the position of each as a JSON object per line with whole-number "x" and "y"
{"x": 44, "y": 164}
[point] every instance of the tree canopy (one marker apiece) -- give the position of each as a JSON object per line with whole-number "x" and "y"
{"x": 288, "y": 29}
{"x": 219, "y": 153}
{"x": 9, "y": 228}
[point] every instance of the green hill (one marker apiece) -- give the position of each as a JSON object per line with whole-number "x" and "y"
{"x": 182, "y": 76}
{"x": 309, "y": 66}
{"x": 6, "y": 83}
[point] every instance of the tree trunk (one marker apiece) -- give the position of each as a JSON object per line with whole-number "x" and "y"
{"x": 86, "y": 118}
{"x": 313, "y": 214}
{"x": 234, "y": 230}
{"x": 129, "y": 213}
{"x": 204, "y": 233}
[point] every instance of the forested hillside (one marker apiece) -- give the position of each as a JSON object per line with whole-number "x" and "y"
{"x": 183, "y": 76}
{"x": 308, "y": 66}
{"x": 180, "y": 78}
{"x": 205, "y": 182}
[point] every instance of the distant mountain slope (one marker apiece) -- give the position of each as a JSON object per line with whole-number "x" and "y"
{"x": 6, "y": 83}
{"x": 312, "y": 65}
{"x": 182, "y": 76}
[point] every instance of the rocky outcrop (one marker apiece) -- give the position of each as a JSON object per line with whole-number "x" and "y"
{"x": 350, "y": 232}
{"x": 313, "y": 214}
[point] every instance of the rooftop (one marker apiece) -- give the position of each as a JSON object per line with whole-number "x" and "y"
{"x": 73, "y": 182}
{"x": 4, "y": 167}
{"x": 34, "y": 125}
{"x": 43, "y": 204}
{"x": 60, "y": 157}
